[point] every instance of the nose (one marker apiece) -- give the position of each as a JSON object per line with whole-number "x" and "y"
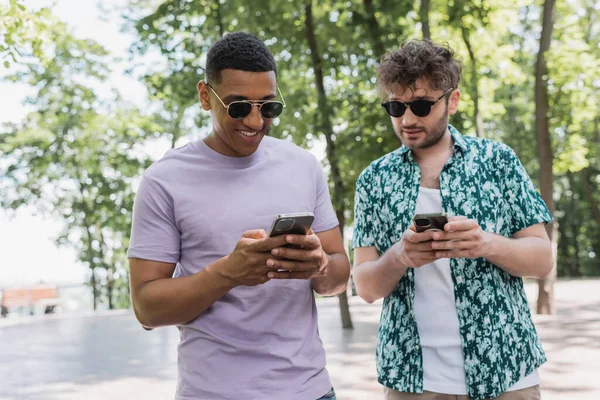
{"x": 254, "y": 120}
{"x": 409, "y": 119}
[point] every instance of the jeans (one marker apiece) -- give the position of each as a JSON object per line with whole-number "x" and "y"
{"x": 329, "y": 396}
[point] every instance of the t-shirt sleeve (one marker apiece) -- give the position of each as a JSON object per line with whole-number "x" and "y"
{"x": 526, "y": 206}
{"x": 154, "y": 234}
{"x": 365, "y": 215}
{"x": 325, "y": 217}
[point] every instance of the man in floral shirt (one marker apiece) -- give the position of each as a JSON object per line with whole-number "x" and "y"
{"x": 455, "y": 322}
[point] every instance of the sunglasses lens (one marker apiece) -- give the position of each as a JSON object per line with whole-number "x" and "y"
{"x": 271, "y": 109}
{"x": 239, "y": 110}
{"x": 421, "y": 108}
{"x": 395, "y": 108}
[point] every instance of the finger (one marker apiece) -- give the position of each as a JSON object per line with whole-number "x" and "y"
{"x": 295, "y": 266}
{"x": 462, "y": 225}
{"x": 456, "y": 235}
{"x": 298, "y": 254}
{"x": 255, "y": 234}
{"x": 268, "y": 244}
{"x": 290, "y": 275}
{"x": 414, "y": 237}
{"x": 455, "y": 245}
{"x": 419, "y": 247}
{"x": 259, "y": 259}
{"x": 457, "y": 218}
{"x": 306, "y": 241}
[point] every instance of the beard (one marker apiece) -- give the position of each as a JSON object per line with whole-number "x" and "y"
{"x": 432, "y": 135}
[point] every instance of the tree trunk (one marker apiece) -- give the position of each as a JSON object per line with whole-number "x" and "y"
{"x": 573, "y": 219}
{"x": 94, "y": 288}
{"x": 545, "y": 303}
{"x": 110, "y": 284}
{"x": 91, "y": 251}
{"x": 373, "y": 29}
{"x": 344, "y": 306}
{"x": 564, "y": 246}
{"x": 326, "y": 127}
{"x": 474, "y": 84}
{"x": 219, "y": 19}
{"x": 589, "y": 193}
{"x": 424, "y": 17}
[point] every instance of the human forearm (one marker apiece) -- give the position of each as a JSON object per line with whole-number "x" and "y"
{"x": 377, "y": 279}
{"x": 526, "y": 256}
{"x": 172, "y": 301}
{"x": 335, "y": 280}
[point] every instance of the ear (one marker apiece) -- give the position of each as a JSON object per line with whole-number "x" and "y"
{"x": 203, "y": 95}
{"x": 453, "y": 102}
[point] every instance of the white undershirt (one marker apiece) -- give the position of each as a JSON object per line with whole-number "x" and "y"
{"x": 437, "y": 320}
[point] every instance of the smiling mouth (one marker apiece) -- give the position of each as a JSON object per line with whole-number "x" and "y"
{"x": 248, "y": 133}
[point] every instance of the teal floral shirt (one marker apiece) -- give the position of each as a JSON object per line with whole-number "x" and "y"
{"x": 485, "y": 181}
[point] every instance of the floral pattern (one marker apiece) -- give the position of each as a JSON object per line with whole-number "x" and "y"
{"x": 483, "y": 180}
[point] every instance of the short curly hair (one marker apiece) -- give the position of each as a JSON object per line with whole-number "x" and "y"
{"x": 238, "y": 50}
{"x": 418, "y": 59}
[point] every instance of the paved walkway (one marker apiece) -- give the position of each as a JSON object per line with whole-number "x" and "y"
{"x": 109, "y": 356}
{"x": 571, "y": 339}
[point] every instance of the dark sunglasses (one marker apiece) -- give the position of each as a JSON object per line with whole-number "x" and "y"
{"x": 269, "y": 109}
{"x": 421, "y": 108}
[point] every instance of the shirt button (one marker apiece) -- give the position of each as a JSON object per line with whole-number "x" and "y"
{"x": 417, "y": 347}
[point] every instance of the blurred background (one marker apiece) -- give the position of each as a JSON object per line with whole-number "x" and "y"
{"x": 93, "y": 92}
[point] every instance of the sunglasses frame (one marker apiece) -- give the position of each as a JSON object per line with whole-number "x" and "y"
{"x": 258, "y": 103}
{"x": 409, "y": 104}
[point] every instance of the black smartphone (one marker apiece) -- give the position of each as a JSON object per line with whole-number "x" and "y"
{"x": 294, "y": 224}
{"x": 427, "y": 222}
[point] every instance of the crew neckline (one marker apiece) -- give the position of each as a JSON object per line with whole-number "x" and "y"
{"x": 238, "y": 162}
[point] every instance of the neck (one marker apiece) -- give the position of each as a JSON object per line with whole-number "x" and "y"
{"x": 215, "y": 143}
{"x": 442, "y": 149}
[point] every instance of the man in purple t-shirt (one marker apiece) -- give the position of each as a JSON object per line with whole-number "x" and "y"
{"x": 199, "y": 255}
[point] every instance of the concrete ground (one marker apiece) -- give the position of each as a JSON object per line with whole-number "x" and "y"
{"x": 108, "y": 356}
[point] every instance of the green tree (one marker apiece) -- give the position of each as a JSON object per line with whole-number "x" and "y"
{"x": 327, "y": 73}
{"x": 78, "y": 158}
{"x": 24, "y": 32}
{"x": 544, "y": 144}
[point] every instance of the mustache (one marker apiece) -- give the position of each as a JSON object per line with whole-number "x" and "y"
{"x": 413, "y": 128}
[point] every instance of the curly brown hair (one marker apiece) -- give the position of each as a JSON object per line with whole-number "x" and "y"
{"x": 418, "y": 59}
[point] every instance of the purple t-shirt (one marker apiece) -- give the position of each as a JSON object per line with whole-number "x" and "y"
{"x": 191, "y": 208}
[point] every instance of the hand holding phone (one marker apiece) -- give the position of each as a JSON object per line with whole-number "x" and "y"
{"x": 296, "y": 261}
{"x": 246, "y": 265}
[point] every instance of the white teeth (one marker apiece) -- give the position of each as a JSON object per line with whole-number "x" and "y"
{"x": 249, "y": 134}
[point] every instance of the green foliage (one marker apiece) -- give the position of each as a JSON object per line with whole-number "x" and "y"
{"x": 497, "y": 42}
{"x": 74, "y": 157}
{"x": 78, "y": 156}
{"x": 24, "y": 33}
